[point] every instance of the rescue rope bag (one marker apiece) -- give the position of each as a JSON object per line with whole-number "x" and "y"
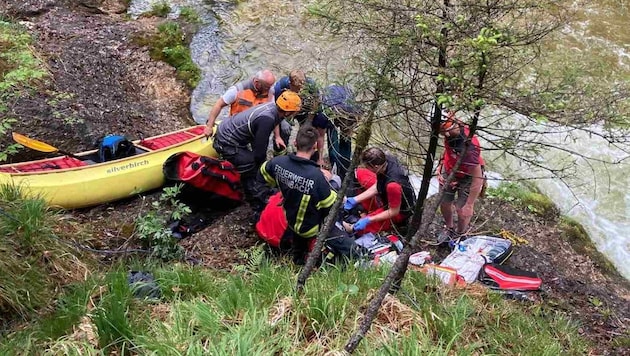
{"x": 208, "y": 174}
{"x": 503, "y": 277}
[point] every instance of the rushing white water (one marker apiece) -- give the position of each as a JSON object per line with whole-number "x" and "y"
{"x": 596, "y": 196}
{"x": 239, "y": 39}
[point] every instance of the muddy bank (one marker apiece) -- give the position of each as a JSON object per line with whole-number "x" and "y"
{"x": 102, "y": 82}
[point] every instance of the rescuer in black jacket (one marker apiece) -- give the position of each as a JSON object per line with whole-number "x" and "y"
{"x": 307, "y": 194}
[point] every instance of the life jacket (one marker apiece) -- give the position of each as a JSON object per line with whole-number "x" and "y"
{"x": 112, "y": 147}
{"x": 246, "y": 97}
{"x": 395, "y": 173}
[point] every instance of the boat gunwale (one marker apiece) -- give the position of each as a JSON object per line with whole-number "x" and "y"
{"x": 86, "y": 153}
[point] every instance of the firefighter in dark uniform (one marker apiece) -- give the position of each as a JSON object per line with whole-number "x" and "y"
{"x": 243, "y": 140}
{"x": 307, "y": 194}
{"x": 393, "y": 188}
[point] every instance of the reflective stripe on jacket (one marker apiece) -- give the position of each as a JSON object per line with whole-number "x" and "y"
{"x": 307, "y": 194}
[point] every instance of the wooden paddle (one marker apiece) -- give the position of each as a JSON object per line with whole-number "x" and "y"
{"x": 39, "y": 145}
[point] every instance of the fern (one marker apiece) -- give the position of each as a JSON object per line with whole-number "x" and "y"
{"x": 255, "y": 257}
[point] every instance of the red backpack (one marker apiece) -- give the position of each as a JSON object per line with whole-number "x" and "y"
{"x": 272, "y": 223}
{"x": 206, "y": 173}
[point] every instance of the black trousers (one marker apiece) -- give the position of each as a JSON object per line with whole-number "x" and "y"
{"x": 254, "y": 187}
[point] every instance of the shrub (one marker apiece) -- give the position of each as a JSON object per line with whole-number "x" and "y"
{"x": 189, "y": 14}
{"x": 170, "y": 45}
{"x": 160, "y": 9}
{"x": 152, "y": 227}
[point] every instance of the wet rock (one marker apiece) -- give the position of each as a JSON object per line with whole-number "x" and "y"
{"x": 27, "y": 8}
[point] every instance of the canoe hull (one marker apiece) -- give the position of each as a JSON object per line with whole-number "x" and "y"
{"x": 103, "y": 182}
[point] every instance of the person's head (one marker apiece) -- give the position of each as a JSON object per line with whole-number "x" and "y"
{"x": 373, "y": 158}
{"x": 306, "y": 139}
{"x": 288, "y": 103}
{"x": 450, "y": 126}
{"x": 263, "y": 80}
{"x": 342, "y": 108}
{"x": 297, "y": 79}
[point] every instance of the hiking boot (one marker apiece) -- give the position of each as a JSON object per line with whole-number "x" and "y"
{"x": 446, "y": 235}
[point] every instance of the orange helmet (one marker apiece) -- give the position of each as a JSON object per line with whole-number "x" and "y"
{"x": 289, "y": 101}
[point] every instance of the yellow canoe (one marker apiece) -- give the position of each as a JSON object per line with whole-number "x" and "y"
{"x": 70, "y": 182}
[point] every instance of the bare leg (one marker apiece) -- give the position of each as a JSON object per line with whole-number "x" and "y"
{"x": 447, "y": 213}
{"x": 462, "y": 223}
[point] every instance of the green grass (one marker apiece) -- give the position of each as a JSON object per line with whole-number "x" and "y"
{"x": 525, "y": 196}
{"x": 252, "y": 310}
{"x": 211, "y": 312}
{"x": 35, "y": 262}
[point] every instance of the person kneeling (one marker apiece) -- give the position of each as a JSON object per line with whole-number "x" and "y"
{"x": 394, "y": 189}
{"x": 307, "y": 195}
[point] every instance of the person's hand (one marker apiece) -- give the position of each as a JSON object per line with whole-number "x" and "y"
{"x": 326, "y": 173}
{"x": 440, "y": 179}
{"x": 467, "y": 210}
{"x": 208, "y": 131}
{"x": 280, "y": 143}
{"x": 361, "y": 224}
{"x": 350, "y": 203}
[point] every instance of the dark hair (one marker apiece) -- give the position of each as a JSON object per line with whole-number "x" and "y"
{"x": 306, "y": 137}
{"x": 373, "y": 157}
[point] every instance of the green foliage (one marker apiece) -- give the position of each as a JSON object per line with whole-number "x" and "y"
{"x": 34, "y": 259}
{"x": 209, "y": 312}
{"x": 70, "y": 307}
{"x": 160, "y": 9}
{"x": 181, "y": 283}
{"x": 169, "y": 45}
{"x": 20, "y": 68}
{"x": 152, "y": 227}
{"x": 111, "y": 316}
{"x": 532, "y": 201}
{"x": 189, "y": 14}
{"x": 255, "y": 258}
{"x": 19, "y": 65}
{"x": 58, "y": 101}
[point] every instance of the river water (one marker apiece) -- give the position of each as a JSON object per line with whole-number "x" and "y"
{"x": 238, "y": 39}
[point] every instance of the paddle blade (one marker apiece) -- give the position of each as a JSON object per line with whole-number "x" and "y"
{"x": 33, "y": 144}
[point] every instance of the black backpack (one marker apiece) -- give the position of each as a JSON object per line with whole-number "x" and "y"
{"x": 112, "y": 147}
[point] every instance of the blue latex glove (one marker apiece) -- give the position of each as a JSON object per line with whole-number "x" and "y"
{"x": 350, "y": 203}
{"x": 361, "y": 224}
